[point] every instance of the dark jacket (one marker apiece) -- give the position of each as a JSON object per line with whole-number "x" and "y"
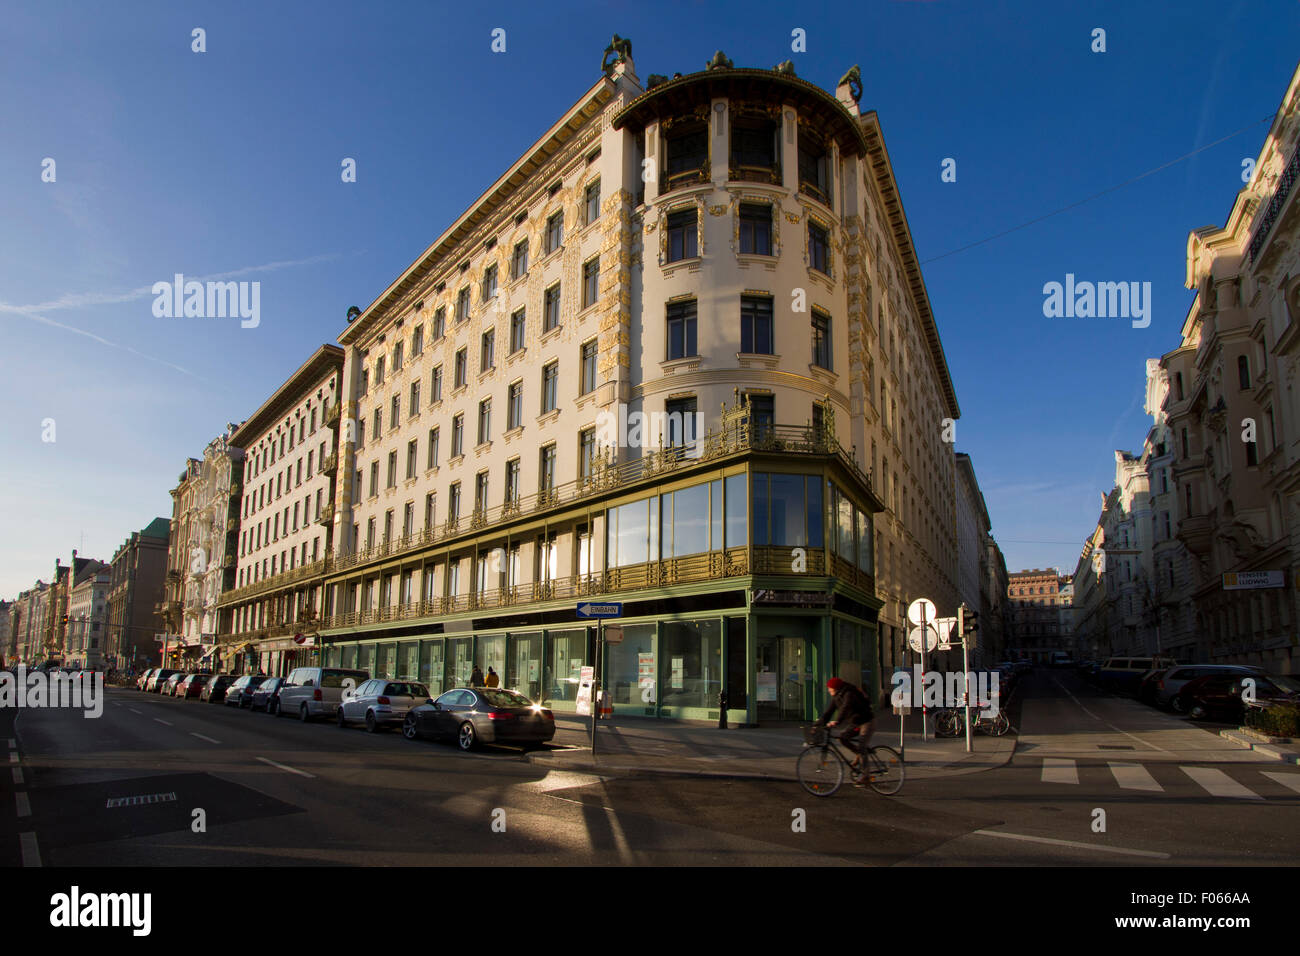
{"x": 476, "y": 678}
{"x": 849, "y": 705}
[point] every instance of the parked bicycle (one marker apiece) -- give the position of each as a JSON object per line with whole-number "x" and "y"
{"x": 822, "y": 764}
{"x": 951, "y": 722}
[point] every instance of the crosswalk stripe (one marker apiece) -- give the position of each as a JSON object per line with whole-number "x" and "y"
{"x": 1060, "y": 770}
{"x": 1219, "y": 784}
{"x": 1290, "y": 780}
{"x": 1133, "y": 776}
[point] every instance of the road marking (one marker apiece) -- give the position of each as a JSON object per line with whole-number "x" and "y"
{"x": 301, "y": 773}
{"x": 1060, "y": 770}
{"x": 24, "y": 805}
{"x": 13, "y": 757}
{"x": 18, "y": 774}
{"x": 1133, "y": 776}
{"x": 31, "y": 853}
{"x": 1291, "y": 780}
{"x": 201, "y": 737}
{"x": 133, "y": 710}
{"x": 140, "y": 801}
{"x": 1106, "y": 722}
{"x": 1071, "y": 843}
{"x": 1218, "y": 784}
{"x": 13, "y": 744}
{"x": 161, "y": 721}
{"x": 1076, "y": 700}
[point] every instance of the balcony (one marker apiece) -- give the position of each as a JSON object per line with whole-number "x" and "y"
{"x": 1273, "y": 211}
{"x": 326, "y": 515}
{"x": 332, "y": 415}
{"x": 770, "y": 175}
{"x": 1196, "y": 533}
{"x": 330, "y": 465}
{"x": 694, "y": 176}
{"x": 305, "y": 572}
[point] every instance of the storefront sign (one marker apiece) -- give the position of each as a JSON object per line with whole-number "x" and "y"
{"x": 767, "y": 686}
{"x": 1247, "y": 580}
{"x": 679, "y": 673}
{"x": 792, "y": 598}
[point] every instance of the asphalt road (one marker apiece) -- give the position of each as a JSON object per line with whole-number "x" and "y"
{"x": 125, "y": 789}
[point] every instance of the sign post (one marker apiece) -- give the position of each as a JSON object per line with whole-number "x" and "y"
{"x": 922, "y": 613}
{"x": 599, "y": 611}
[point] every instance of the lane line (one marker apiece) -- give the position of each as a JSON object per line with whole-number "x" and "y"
{"x": 24, "y": 805}
{"x": 1107, "y": 722}
{"x": 1060, "y": 770}
{"x": 1071, "y": 843}
{"x": 201, "y": 737}
{"x": 1291, "y": 780}
{"x": 18, "y": 774}
{"x": 301, "y": 773}
{"x": 1218, "y": 784}
{"x": 133, "y": 710}
{"x": 161, "y": 721}
{"x": 13, "y": 756}
{"x": 1134, "y": 776}
{"x": 31, "y": 853}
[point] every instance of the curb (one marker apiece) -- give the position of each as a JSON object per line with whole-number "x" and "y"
{"x": 1251, "y": 742}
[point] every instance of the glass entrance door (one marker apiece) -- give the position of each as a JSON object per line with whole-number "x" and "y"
{"x": 784, "y": 677}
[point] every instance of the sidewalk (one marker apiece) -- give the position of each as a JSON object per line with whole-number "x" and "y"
{"x": 697, "y": 749}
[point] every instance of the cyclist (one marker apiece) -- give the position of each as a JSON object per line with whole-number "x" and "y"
{"x": 852, "y": 707}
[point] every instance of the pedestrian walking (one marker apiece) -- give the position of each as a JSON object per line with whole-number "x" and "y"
{"x": 492, "y": 679}
{"x": 476, "y": 678}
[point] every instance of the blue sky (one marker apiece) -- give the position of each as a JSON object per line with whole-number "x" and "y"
{"x": 228, "y": 162}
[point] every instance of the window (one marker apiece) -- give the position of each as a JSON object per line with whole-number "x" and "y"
{"x": 519, "y": 261}
{"x": 515, "y": 405}
{"x": 551, "y": 313}
{"x": 762, "y": 412}
{"x": 546, "y": 469}
{"x": 687, "y": 152}
{"x": 756, "y": 325}
{"x": 682, "y": 235}
{"x": 754, "y": 150}
{"x": 1252, "y": 453}
{"x": 485, "y": 421}
{"x": 591, "y": 203}
{"x": 408, "y": 526}
{"x": 462, "y": 368}
{"x": 462, "y": 305}
{"x": 818, "y": 249}
{"x": 412, "y": 451}
{"x": 487, "y": 350}
{"x": 370, "y": 541}
{"x": 517, "y": 328}
{"x": 439, "y": 323}
{"x": 415, "y": 398}
{"x": 821, "y": 340}
{"x": 453, "y": 502}
{"x": 430, "y": 510}
{"x": 554, "y": 231}
{"x": 417, "y": 344}
{"x": 681, "y": 329}
{"x": 481, "y": 491}
{"x": 512, "y": 481}
{"x": 388, "y": 538}
{"x": 489, "y": 282}
{"x": 297, "y": 482}
{"x": 680, "y": 422}
{"x": 588, "y": 364}
{"x": 756, "y": 229}
{"x": 379, "y": 380}
{"x": 814, "y": 167}
{"x": 586, "y": 452}
{"x": 433, "y": 448}
{"x": 374, "y": 478}
{"x": 458, "y": 435}
{"x": 392, "y": 469}
{"x": 397, "y": 357}
{"x": 590, "y": 281}
{"x": 1243, "y": 371}
{"x": 550, "y": 375}
{"x": 395, "y": 412}
{"x": 379, "y": 423}
{"x": 435, "y": 386}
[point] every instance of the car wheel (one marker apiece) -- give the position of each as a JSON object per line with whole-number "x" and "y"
{"x": 466, "y": 739}
{"x": 1177, "y": 705}
{"x": 372, "y": 724}
{"x": 304, "y": 714}
{"x": 409, "y": 728}
{"x": 1197, "y": 712}
{"x": 342, "y": 721}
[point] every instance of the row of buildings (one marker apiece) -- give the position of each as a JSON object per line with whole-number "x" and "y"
{"x": 678, "y": 357}
{"x": 1196, "y": 552}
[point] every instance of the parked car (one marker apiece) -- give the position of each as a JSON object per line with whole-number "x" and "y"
{"x": 1122, "y": 675}
{"x": 266, "y": 695}
{"x": 310, "y": 692}
{"x": 191, "y": 686}
{"x": 158, "y": 680}
{"x": 471, "y": 716}
{"x": 143, "y": 679}
{"x": 215, "y": 690}
{"x": 1220, "y": 694}
{"x": 381, "y": 703}
{"x": 169, "y": 684}
{"x": 240, "y": 693}
{"x": 1147, "y": 685}
{"x": 1175, "y": 678}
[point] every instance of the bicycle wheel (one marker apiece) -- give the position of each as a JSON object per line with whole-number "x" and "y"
{"x": 945, "y": 723}
{"x": 820, "y": 771}
{"x": 886, "y": 771}
{"x": 999, "y": 725}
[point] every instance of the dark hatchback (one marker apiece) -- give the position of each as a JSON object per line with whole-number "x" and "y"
{"x": 1220, "y": 694}
{"x": 266, "y": 695}
{"x": 488, "y": 715}
{"x": 240, "y": 693}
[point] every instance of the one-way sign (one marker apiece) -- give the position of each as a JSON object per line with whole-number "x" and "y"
{"x": 609, "y": 609}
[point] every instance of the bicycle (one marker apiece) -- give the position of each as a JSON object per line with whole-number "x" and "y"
{"x": 820, "y": 767}
{"x": 951, "y": 722}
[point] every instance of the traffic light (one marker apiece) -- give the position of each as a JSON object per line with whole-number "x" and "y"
{"x": 961, "y": 620}
{"x": 971, "y": 623}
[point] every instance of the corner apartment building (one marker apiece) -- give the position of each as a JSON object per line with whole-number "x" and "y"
{"x": 280, "y": 532}
{"x": 655, "y": 363}
{"x": 139, "y": 567}
{"x": 87, "y": 625}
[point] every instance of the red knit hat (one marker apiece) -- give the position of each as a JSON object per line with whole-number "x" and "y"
{"x": 834, "y": 684}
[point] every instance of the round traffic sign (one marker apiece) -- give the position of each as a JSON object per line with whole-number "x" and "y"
{"x": 914, "y": 639}
{"x": 919, "y": 607}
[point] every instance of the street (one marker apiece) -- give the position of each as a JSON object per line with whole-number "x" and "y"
{"x": 126, "y": 790}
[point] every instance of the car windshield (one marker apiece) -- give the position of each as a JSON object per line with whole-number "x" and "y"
{"x": 503, "y": 698}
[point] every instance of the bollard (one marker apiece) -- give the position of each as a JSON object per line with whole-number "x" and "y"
{"x": 722, "y": 710}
